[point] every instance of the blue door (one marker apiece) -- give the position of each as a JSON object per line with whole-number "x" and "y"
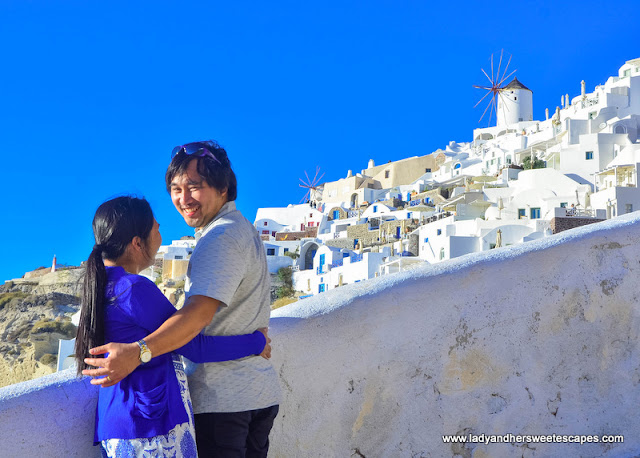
{"x": 398, "y": 232}
{"x": 321, "y": 288}
{"x": 336, "y": 214}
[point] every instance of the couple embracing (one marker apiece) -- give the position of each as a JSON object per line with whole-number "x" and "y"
{"x": 145, "y": 406}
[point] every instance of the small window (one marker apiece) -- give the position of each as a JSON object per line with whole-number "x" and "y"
{"x": 588, "y": 155}
{"x": 535, "y": 213}
{"x": 271, "y": 251}
{"x": 593, "y": 115}
{"x": 408, "y": 215}
{"x": 628, "y": 208}
{"x": 310, "y": 224}
{"x": 375, "y": 208}
{"x": 520, "y": 119}
{"x": 441, "y": 254}
{"x": 521, "y": 213}
{"x": 563, "y": 204}
{"x": 426, "y": 240}
{"x": 273, "y": 233}
{"x": 514, "y": 99}
{"x": 310, "y": 215}
{"x": 427, "y": 170}
{"x": 439, "y": 232}
{"x": 286, "y": 250}
{"x": 386, "y": 174}
{"x": 265, "y": 223}
{"x": 180, "y": 257}
{"x": 265, "y": 232}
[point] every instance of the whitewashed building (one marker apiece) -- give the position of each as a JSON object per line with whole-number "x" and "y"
{"x": 335, "y": 267}
{"x": 292, "y": 218}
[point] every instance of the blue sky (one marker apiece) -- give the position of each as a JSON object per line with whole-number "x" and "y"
{"x": 94, "y": 95}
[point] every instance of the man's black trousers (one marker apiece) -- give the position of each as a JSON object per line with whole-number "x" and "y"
{"x": 234, "y": 434}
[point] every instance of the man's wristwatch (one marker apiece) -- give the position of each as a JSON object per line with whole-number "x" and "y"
{"x": 145, "y": 353}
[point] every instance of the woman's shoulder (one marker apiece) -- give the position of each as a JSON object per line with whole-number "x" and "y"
{"x": 121, "y": 281}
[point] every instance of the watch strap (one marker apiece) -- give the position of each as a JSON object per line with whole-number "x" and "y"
{"x": 145, "y": 353}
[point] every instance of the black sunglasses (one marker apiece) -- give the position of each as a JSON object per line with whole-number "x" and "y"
{"x": 200, "y": 149}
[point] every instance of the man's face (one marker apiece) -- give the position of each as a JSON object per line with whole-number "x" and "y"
{"x": 195, "y": 200}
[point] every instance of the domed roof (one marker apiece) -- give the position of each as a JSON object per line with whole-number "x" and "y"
{"x": 515, "y": 84}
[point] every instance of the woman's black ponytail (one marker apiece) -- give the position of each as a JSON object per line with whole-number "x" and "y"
{"x": 91, "y": 325}
{"x": 115, "y": 224}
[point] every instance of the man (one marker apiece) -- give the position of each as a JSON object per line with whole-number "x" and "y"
{"x": 227, "y": 293}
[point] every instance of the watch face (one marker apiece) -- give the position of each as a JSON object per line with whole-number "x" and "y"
{"x": 145, "y": 356}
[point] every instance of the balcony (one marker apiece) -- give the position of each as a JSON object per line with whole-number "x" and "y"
{"x": 322, "y": 269}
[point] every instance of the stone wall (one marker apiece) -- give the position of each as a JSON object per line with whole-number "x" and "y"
{"x": 311, "y": 232}
{"x": 342, "y": 243}
{"x": 393, "y": 203}
{"x": 370, "y": 237}
{"x": 414, "y": 244}
{"x": 342, "y": 213}
{"x": 562, "y": 224}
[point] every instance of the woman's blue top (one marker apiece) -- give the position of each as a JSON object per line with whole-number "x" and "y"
{"x": 147, "y": 403}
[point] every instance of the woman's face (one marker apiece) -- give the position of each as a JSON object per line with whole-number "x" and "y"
{"x": 153, "y": 242}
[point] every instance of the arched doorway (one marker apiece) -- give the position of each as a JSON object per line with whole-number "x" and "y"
{"x": 307, "y": 252}
{"x": 354, "y": 200}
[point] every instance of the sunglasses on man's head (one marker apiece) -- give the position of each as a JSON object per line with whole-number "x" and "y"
{"x": 198, "y": 149}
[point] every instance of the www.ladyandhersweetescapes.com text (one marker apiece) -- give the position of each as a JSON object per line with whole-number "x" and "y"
{"x": 532, "y": 439}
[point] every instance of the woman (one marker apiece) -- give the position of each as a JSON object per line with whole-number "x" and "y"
{"x": 148, "y": 413}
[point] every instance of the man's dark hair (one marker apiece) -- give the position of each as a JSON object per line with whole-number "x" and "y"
{"x": 218, "y": 174}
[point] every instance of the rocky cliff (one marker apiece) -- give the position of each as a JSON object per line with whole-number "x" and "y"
{"x": 35, "y": 312}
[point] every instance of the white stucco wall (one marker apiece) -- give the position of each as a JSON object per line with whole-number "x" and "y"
{"x": 539, "y": 338}
{"x": 52, "y": 416}
{"x": 275, "y": 263}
